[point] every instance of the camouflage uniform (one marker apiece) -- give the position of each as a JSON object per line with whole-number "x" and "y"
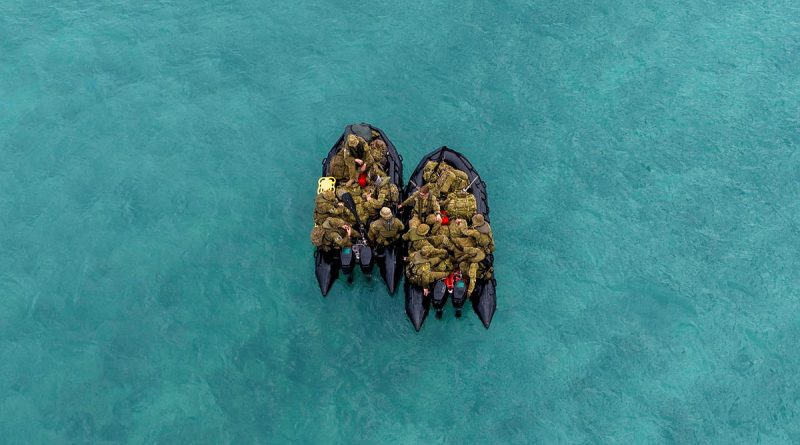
{"x": 382, "y": 192}
{"x": 462, "y": 238}
{"x": 445, "y": 179}
{"x": 360, "y": 150}
{"x": 420, "y": 273}
{"x": 443, "y": 243}
{"x": 343, "y": 166}
{"x": 485, "y": 237}
{"x": 473, "y": 256}
{"x": 379, "y": 154}
{"x": 417, "y": 237}
{"x": 385, "y": 230}
{"x": 336, "y": 236}
{"x": 423, "y": 207}
{"x": 327, "y": 205}
{"x": 355, "y": 193}
{"x": 358, "y": 146}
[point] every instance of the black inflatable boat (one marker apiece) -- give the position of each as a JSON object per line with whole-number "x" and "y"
{"x": 484, "y": 299}
{"x": 389, "y": 259}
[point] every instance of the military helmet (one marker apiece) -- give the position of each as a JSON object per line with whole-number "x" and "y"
{"x": 352, "y": 140}
{"x": 423, "y": 229}
{"x": 328, "y": 195}
{"x": 477, "y": 220}
{"x": 386, "y": 213}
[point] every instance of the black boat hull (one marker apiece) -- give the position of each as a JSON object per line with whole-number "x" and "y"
{"x": 417, "y": 305}
{"x": 327, "y": 270}
{"x": 484, "y": 301}
{"x": 390, "y": 266}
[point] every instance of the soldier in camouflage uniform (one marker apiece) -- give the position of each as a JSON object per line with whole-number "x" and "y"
{"x": 417, "y": 237}
{"x": 462, "y": 237}
{"x": 485, "y": 239}
{"x": 471, "y": 261}
{"x": 343, "y": 166}
{"x": 379, "y": 154}
{"x": 420, "y": 271}
{"x": 353, "y": 157}
{"x": 382, "y": 192}
{"x": 444, "y": 178}
{"x": 327, "y": 205}
{"x": 361, "y": 151}
{"x": 442, "y": 242}
{"x": 385, "y": 230}
{"x": 426, "y": 207}
{"x": 354, "y": 192}
{"x": 337, "y": 234}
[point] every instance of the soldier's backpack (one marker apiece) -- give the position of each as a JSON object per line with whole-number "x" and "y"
{"x": 461, "y": 205}
{"x": 462, "y": 180}
{"x": 337, "y": 168}
{"x": 317, "y": 236}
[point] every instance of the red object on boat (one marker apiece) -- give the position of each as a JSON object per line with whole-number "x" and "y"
{"x": 448, "y": 281}
{"x": 445, "y": 219}
{"x": 362, "y": 180}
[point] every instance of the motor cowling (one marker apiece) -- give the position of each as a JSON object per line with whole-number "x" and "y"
{"x": 346, "y": 259}
{"x": 365, "y": 259}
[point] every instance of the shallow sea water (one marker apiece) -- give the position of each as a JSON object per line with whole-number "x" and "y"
{"x": 159, "y": 161}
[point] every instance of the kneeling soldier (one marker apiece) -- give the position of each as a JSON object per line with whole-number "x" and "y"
{"x": 335, "y": 233}
{"x": 420, "y": 272}
{"x": 327, "y": 205}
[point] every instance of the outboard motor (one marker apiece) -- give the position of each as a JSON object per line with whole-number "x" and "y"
{"x": 459, "y": 296}
{"x": 363, "y": 253}
{"x": 439, "y": 297}
{"x": 346, "y": 258}
{"x": 365, "y": 259}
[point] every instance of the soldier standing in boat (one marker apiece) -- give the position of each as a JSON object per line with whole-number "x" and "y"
{"x": 387, "y": 229}
{"x": 426, "y": 206}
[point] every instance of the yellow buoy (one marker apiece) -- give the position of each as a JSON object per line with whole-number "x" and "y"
{"x": 326, "y": 183}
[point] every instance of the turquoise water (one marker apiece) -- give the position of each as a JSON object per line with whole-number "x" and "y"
{"x": 158, "y": 170}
